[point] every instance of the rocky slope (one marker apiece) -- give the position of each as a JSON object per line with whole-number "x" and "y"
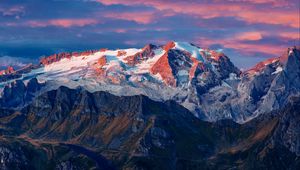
{"x": 264, "y": 88}
{"x": 73, "y": 128}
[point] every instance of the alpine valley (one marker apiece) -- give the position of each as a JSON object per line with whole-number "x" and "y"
{"x": 175, "y": 106}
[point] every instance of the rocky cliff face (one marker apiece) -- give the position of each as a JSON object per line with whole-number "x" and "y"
{"x": 20, "y": 154}
{"x": 287, "y": 132}
{"x": 135, "y": 132}
{"x": 57, "y": 57}
{"x": 147, "y": 52}
{"x": 18, "y": 94}
{"x": 262, "y": 89}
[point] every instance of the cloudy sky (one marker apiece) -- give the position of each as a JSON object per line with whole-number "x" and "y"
{"x": 247, "y": 30}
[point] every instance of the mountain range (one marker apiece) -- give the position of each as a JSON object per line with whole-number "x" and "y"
{"x": 175, "y": 106}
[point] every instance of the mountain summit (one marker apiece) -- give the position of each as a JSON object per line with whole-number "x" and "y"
{"x": 149, "y": 109}
{"x": 204, "y": 81}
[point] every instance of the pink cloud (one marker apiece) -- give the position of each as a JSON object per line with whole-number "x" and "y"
{"x": 15, "y": 10}
{"x": 250, "y": 36}
{"x": 275, "y": 3}
{"x": 66, "y": 23}
{"x": 271, "y": 17}
{"x": 242, "y": 47}
{"x": 72, "y": 22}
{"x": 131, "y": 42}
{"x": 290, "y": 35}
{"x": 159, "y": 2}
{"x": 140, "y": 29}
{"x": 120, "y": 30}
{"x": 254, "y": 48}
{"x": 245, "y": 10}
{"x": 139, "y": 17}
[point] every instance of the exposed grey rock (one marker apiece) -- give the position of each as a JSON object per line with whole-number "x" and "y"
{"x": 262, "y": 89}
{"x": 288, "y": 131}
{"x": 160, "y": 138}
{"x": 17, "y": 94}
{"x": 67, "y": 165}
{"x": 12, "y": 158}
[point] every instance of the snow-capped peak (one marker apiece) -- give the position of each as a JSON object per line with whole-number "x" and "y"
{"x": 152, "y": 63}
{"x": 192, "y": 49}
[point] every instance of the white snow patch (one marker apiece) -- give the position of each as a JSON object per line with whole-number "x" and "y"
{"x": 220, "y": 50}
{"x": 158, "y": 77}
{"x": 233, "y": 76}
{"x": 1, "y": 91}
{"x": 224, "y": 84}
{"x": 189, "y": 48}
{"x": 183, "y": 73}
{"x": 278, "y": 70}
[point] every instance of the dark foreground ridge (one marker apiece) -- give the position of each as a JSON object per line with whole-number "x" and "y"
{"x": 75, "y": 129}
